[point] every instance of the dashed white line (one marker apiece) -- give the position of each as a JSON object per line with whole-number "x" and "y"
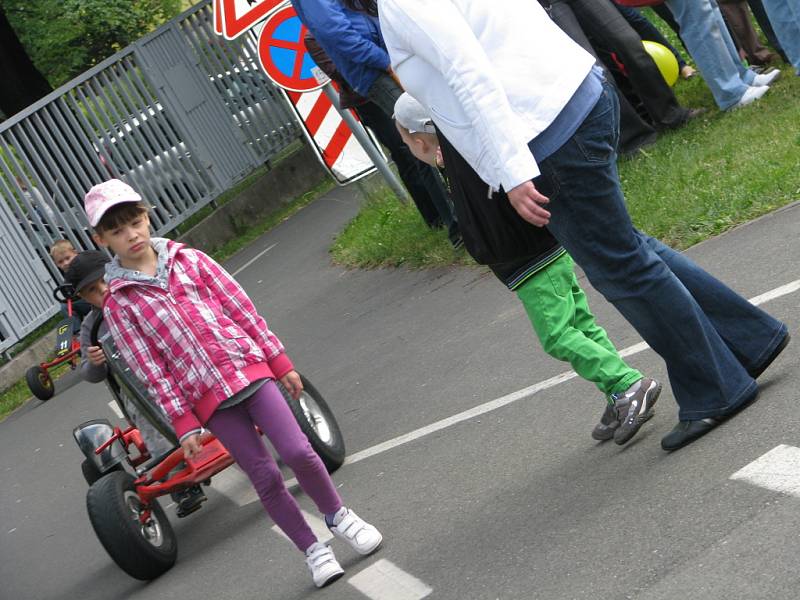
{"x": 317, "y": 525}
{"x": 777, "y": 470}
{"x": 384, "y": 580}
{"x": 776, "y": 293}
{"x": 114, "y": 407}
{"x": 252, "y": 260}
{"x": 235, "y": 485}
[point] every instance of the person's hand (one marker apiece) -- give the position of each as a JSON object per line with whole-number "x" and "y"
{"x": 528, "y": 203}
{"x": 191, "y": 445}
{"x": 96, "y": 356}
{"x": 291, "y": 381}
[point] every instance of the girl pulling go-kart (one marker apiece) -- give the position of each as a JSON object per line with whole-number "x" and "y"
{"x": 188, "y": 329}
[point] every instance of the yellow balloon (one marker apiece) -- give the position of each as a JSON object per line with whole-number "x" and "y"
{"x": 664, "y": 59}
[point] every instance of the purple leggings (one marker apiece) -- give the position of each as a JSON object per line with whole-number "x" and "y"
{"x": 267, "y": 408}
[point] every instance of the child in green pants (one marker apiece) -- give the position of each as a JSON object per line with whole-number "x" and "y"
{"x": 529, "y": 261}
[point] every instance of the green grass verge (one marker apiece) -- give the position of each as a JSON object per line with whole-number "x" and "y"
{"x": 718, "y": 171}
{"x": 389, "y": 233}
{"x": 13, "y": 398}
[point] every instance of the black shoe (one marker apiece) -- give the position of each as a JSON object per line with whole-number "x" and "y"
{"x": 756, "y": 373}
{"x": 189, "y": 501}
{"x": 685, "y": 432}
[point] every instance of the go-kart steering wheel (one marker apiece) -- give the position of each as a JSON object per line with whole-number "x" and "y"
{"x": 64, "y": 293}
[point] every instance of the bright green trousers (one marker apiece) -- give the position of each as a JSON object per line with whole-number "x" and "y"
{"x": 559, "y": 312}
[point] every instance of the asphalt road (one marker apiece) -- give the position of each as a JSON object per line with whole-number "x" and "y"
{"x": 514, "y": 502}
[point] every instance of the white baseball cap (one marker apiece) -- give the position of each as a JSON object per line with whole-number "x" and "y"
{"x": 411, "y": 115}
{"x": 105, "y": 195}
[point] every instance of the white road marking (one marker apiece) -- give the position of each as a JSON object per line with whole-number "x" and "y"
{"x": 317, "y": 525}
{"x": 462, "y": 416}
{"x": 777, "y": 470}
{"x": 252, "y": 260}
{"x": 114, "y": 407}
{"x": 776, "y": 293}
{"x": 527, "y": 392}
{"x": 385, "y": 581}
{"x": 235, "y": 485}
{"x": 241, "y": 492}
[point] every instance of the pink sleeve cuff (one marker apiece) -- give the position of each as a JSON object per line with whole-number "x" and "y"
{"x": 185, "y": 423}
{"x": 280, "y": 365}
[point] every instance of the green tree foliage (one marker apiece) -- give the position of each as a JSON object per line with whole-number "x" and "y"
{"x": 66, "y": 37}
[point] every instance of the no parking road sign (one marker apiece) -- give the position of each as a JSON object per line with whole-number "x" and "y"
{"x": 283, "y": 54}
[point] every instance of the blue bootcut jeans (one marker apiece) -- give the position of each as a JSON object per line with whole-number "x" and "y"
{"x": 707, "y": 334}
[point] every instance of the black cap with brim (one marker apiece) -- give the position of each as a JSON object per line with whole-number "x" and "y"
{"x": 86, "y": 268}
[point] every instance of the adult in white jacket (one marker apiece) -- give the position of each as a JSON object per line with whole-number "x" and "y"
{"x": 524, "y": 106}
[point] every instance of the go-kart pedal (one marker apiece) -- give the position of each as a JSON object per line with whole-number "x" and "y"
{"x": 189, "y": 501}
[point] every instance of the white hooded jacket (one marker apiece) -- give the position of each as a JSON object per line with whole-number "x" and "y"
{"x": 492, "y": 73}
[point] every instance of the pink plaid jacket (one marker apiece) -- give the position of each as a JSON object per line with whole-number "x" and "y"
{"x": 195, "y": 343}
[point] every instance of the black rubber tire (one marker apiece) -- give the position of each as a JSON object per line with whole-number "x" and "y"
{"x": 92, "y": 474}
{"x": 120, "y": 532}
{"x": 332, "y": 452}
{"x": 40, "y": 383}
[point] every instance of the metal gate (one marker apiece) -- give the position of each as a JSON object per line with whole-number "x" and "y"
{"x": 182, "y": 115}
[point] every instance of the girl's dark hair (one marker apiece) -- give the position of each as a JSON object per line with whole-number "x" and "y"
{"x": 121, "y": 214}
{"x": 365, "y": 6}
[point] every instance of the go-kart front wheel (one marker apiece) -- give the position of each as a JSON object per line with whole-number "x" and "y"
{"x": 316, "y": 420}
{"x": 142, "y": 550}
{"x": 40, "y": 383}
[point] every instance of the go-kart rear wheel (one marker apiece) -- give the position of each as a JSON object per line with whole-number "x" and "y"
{"x": 316, "y": 420}
{"x": 40, "y": 383}
{"x": 143, "y": 551}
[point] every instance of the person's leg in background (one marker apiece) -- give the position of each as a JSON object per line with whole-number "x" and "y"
{"x": 383, "y": 94}
{"x": 422, "y": 182}
{"x": 604, "y": 25}
{"x": 648, "y": 31}
{"x": 705, "y": 35}
{"x": 635, "y": 133}
{"x": 785, "y": 18}
{"x": 737, "y": 16}
{"x": 757, "y": 8}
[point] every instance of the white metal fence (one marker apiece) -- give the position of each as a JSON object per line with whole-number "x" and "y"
{"x": 181, "y": 115}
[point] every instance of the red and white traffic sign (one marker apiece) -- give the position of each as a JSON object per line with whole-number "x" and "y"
{"x": 331, "y": 138}
{"x": 232, "y": 18}
{"x": 283, "y": 53}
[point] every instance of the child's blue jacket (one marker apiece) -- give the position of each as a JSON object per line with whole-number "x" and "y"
{"x": 352, "y": 39}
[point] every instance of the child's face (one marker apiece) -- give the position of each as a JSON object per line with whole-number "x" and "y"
{"x": 94, "y": 293}
{"x": 64, "y": 257}
{"x": 422, "y": 146}
{"x": 129, "y": 241}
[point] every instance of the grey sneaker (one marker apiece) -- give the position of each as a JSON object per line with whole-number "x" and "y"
{"x": 635, "y": 409}
{"x": 608, "y": 424}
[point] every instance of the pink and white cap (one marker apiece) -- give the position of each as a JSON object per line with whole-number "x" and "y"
{"x": 105, "y": 195}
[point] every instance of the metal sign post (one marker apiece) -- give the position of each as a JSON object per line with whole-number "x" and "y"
{"x": 363, "y": 138}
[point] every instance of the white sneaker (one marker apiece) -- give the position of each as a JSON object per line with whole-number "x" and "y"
{"x": 362, "y": 537}
{"x": 751, "y": 95}
{"x": 323, "y": 565}
{"x": 766, "y": 78}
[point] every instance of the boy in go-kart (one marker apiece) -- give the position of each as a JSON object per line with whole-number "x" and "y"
{"x": 85, "y": 273}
